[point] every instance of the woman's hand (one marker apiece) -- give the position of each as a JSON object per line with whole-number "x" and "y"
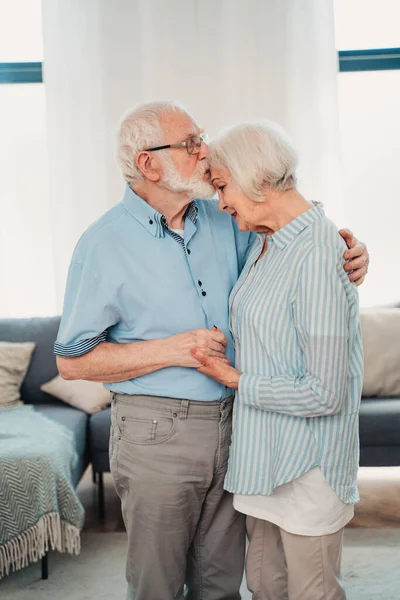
{"x": 357, "y": 255}
{"x": 210, "y": 341}
{"x": 217, "y": 368}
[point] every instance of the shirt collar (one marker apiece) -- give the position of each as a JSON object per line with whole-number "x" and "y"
{"x": 154, "y": 221}
{"x": 283, "y": 237}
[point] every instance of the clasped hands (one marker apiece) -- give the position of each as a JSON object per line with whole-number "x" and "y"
{"x": 217, "y": 367}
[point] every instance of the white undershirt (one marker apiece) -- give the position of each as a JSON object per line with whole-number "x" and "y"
{"x": 306, "y": 506}
{"x": 180, "y": 232}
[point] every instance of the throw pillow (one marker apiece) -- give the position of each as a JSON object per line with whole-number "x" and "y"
{"x": 381, "y": 340}
{"x": 89, "y": 396}
{"x": 14, "y": 363}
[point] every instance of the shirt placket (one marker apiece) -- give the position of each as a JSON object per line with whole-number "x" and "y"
{"x": 192, "y": 216}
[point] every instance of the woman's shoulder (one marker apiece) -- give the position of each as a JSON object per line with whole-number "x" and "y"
{"x": 325, "y": 233}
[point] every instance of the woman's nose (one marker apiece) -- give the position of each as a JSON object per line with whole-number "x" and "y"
{"x": 221, "y": 205}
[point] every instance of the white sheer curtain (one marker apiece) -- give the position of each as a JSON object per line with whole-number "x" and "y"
{"x": 225, "y": 60}
{"x": 26, "y": 248}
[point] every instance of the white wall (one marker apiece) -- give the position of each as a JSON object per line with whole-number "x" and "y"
{"x": 370, "y": 132}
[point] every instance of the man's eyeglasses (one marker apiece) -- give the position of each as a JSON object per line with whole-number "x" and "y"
{"x": 192, "y": 144}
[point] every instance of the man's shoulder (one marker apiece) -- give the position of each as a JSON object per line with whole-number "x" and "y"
{"x": 101, "y": 233}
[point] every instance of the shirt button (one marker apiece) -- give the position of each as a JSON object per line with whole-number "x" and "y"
{"x": 199, "y": 282}
{"x": 187, "y": 250}
{"x": 150, "y": 221}
{"x": 203, "y": 293}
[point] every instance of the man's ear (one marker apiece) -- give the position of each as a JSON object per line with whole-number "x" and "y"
{"x": 148, "y": 165}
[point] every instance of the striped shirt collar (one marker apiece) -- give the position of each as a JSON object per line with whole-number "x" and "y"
{"x": 191, "y": 213}
{"x": 154, "y": 221}
{"x": 285, "y": 236}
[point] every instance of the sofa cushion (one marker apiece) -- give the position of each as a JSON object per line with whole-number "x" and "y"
{"x": 99, "y": 425}
{"x": 381, "y": 334}
{"x": 89, "y": 396}
{"x": 77, "y": 422}
{"x": 42, "y": 331}
{"x": 14, "y": 364}
{"x": 380, "y": 422}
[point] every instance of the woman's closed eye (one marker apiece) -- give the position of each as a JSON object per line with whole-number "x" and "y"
{"x": 221, "y": 187}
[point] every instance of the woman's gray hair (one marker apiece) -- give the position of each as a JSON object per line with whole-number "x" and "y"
{"x": 140, "y": 128}
{"x": 258, "y": 155}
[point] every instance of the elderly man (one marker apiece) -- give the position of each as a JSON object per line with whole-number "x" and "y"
{"x": 149, "y": 281}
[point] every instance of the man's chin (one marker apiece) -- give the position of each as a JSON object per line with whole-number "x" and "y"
{"x": 200, "y": 189}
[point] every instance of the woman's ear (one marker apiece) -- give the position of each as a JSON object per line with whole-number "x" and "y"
{"x": 148, "y": 165}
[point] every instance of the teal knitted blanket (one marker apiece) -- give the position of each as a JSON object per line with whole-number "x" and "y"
{"x": 39, "y": 508}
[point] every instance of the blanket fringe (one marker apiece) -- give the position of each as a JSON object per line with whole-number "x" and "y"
{"x": 50, "y": 532}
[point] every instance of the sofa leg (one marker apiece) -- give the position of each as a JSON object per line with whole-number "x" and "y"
{"x": 101, "y": 497}
{"x": 94, "y": 479}
{"x": 45, "y": 566}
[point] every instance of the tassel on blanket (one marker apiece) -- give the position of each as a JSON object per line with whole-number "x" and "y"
{"x": 32, "y": 544}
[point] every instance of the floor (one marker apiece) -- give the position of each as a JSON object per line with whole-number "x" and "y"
{"x": 371, "y": 557}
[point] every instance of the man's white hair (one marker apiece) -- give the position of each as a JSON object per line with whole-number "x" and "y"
{"x": 258, "y": 155}
{"x": 140, "y": 128}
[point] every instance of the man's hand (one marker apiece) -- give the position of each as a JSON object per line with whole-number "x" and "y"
{"x": 357, "y": 255}
{"x": 218, "y": 369}
{"x": 211, "y": 342}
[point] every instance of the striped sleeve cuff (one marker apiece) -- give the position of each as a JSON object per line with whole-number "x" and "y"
{"x": 250, "y": 388}
{"x": 82, "y": 347}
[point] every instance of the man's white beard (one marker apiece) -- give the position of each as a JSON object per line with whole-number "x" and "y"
{"x": 195, "y": 187}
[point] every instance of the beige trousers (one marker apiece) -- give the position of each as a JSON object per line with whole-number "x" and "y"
{"x": 168, "y": 459}
{"x": 284, "y": 566}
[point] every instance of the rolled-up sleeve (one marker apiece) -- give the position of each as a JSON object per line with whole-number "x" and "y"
{"x": 87, "y": 314}
{"x": 320, "y": 313}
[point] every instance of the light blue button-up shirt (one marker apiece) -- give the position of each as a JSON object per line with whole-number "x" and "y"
{"x": 295, "y": 318}
{"x": 131, "y": 279}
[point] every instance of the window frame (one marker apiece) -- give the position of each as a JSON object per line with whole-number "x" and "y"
{"x": 375, "y": 59}
{"x": 21, "y": 72}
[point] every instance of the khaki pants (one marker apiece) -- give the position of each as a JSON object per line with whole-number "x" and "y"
{"x": 284, "y": 566}
{"x": 168, "y": 459}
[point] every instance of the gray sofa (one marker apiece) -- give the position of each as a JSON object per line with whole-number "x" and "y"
{"x": 43, "y": 332}
{"x": 91, "y": 434}
{"x": 379, "y": 417}
{"x": 380, "y": 432}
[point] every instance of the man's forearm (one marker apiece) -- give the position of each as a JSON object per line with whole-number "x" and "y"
{"x": 110, "y": 362}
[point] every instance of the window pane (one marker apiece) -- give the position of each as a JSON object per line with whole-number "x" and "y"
{"x": 21, "y": 31}
{"x": 26, "y": 267}
{"x": 363, "y": 24}
{"x": 370, "y": 133}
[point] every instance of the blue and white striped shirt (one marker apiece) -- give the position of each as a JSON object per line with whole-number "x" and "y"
{"x": 296, "y": 327}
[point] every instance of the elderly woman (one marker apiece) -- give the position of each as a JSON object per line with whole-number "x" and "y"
{"x": 299, "y": 367}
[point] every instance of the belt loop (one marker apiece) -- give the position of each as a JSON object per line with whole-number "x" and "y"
{"x": 183, "y": 413}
